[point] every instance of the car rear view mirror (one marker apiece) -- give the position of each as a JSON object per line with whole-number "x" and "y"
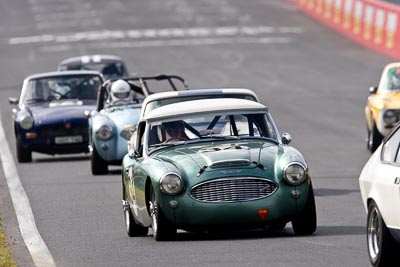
{"x": 13, "y": 100}
{"x": 286, "y": 138}
{"x": 373, "y": 90}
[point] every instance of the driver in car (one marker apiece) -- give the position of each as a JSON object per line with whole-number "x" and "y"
{"x": 174, "y": 131}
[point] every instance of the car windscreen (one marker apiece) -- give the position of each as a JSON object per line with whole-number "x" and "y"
{"x": 109, "y": 70}
{"x": 55, "y": 88}
{"x": 203, "y": 127}
{"x": 391, "y": 81}
{"x": 162, "y": 102}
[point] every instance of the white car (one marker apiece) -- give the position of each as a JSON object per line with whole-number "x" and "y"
{"x": 380, "y": 192}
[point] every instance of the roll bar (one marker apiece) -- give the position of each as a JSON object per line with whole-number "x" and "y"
{"x": 140, "y": 88}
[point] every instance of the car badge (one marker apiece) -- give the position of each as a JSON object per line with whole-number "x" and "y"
{"x": 67, "y": 125}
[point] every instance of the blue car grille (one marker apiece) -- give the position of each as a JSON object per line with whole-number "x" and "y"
{"x": 233, "y": 189}
{"x": 60, "y": 130}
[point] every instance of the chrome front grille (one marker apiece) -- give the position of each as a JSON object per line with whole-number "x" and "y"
{"x": 233, "y": 189}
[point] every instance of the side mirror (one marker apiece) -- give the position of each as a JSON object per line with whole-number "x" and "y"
{"x": 13, "y": 100}
{"x": 133, "y": 154}
{"x": 89, "y": 114}
{"x": 286, "y": 138}
{"x": 373, "y": 90}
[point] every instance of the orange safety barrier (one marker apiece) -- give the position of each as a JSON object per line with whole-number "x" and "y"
{"x": 374, "y": 24}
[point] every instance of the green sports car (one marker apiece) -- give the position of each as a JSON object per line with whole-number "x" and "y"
{"x": 214, "y": 164}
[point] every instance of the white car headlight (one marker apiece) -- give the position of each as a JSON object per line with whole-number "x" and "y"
{"x": 26, "y": 123}
{"x": 105, "y": 132}
{"x": 294, "y": 173}
{"x": 390, "y": 116}
{"x": 171, "y": 183}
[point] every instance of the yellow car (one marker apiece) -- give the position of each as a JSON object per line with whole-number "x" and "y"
{"x": 382, "y": 111}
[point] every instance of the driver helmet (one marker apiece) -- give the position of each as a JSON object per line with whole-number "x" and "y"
{"x": 395, "y": 78}
{"x": 120, "y": 92}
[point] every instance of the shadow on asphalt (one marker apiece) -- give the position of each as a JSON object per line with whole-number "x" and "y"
{"x": 341, "y": 230}
{"x": 323, "y": 192}
{"x": 256, "y": 234}
{"x": 60, "y": 158}
{"x": 233, "y": 235}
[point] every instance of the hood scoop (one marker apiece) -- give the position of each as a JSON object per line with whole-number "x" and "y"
{"x": 229, "y": 163}
{"x": 223, "y": 148}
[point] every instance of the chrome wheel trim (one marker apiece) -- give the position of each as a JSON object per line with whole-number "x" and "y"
{"x": 127, "y": 220}
{"x": 374, "y": 234}
{"x": 153, "y": 212}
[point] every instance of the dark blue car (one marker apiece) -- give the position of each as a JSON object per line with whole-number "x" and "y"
{"x": 50, "y": 114}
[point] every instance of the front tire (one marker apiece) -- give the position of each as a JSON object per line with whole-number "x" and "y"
{"x": 98, "y": 165}
{"x": 23, "y": 154}
{"x": 381, "y": 245}
{"x": 132, "y": 228}
{"x": 163, "y": 230}
{"x": 374, "y": 138}
{"x": 305, "y": 222}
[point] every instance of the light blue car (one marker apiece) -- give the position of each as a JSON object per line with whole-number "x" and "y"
{"x": 111, "y": 126}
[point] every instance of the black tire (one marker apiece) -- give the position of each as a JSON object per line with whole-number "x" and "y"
{"x": 23, "y": 154}
{"x": 132, "y": 228}
{"x": 163, "y": 230}
{"x": 305, "y": 222}
{"x": 374, "y": 138}
{"x": 98, "y": 165}
{"x": 381, "y": 245}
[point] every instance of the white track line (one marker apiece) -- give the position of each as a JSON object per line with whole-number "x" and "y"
{"x": 137, "y": 34}
{"x": 34, "y": 242}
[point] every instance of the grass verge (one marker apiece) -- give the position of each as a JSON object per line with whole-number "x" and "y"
{"x": 6, "y": 259}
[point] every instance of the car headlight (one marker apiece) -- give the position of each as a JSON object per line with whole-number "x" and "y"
{"x": 105, "y": 132}
{"x": 171, "y": 183}
{"x": 294, "y": 173}
{"x": 27, "y": 122}
{"x": 390, "y": 116}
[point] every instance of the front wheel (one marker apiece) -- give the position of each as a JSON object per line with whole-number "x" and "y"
{"x": 163, "y": 230}
{"x": 305, "y": 222}
{"x": 374, "y": 138}
{"x": 23, "y": 154}
{"x": 381, "y": 246}
{"x": 132, "y": 228}
{"x": 98, "y": 165}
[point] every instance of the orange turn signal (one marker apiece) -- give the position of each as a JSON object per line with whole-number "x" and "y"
{"x": 31, "y": 135}
{"x": 262, "y": 213}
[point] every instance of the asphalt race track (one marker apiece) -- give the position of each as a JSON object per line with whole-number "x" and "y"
{"x": 314, "y": 81}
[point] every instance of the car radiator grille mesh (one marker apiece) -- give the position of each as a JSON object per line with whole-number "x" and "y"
{"x": 233, "y": 189}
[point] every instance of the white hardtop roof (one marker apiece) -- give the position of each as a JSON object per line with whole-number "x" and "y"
{"x": 63, "y": 73}
{"x": 205, "y": 106}
{"x": 170, "y": 94}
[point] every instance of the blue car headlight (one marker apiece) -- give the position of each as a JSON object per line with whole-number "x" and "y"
{"x": 105, "y": 132}
{"x": 26, "y": 122}
{"x": 294, "y": 173}
{"x": 171, "y": 183}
